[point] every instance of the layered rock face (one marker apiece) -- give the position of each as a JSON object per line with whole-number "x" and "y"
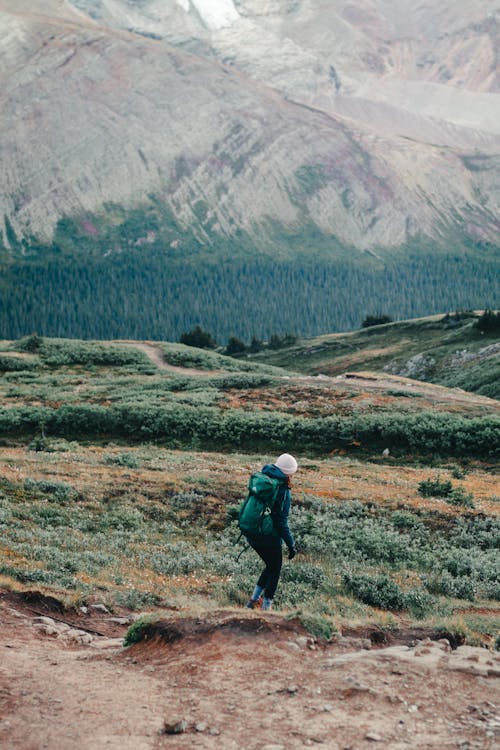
{"x": 373, "y": 122}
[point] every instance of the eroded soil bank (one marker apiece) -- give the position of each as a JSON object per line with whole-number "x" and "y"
{"x": 233, "y": 679}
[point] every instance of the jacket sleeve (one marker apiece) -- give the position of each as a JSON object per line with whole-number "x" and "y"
{"x": 280, "y": 514}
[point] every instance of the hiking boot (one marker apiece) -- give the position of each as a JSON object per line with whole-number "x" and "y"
{"x": 254, "y": 603}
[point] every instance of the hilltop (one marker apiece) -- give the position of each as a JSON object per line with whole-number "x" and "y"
{"x": 446, "y": 349}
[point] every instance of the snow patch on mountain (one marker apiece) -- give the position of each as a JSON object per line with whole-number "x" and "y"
{"x": 215, "y": 14}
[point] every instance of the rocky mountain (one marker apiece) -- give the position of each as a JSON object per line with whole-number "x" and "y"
{"x": 155, "y": 155}
{"x": 369, "y": 121}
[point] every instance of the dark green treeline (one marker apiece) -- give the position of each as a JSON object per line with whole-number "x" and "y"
{"x": 146, "y": 295}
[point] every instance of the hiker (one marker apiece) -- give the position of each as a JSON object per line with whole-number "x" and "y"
{"x": 272, "y": 514}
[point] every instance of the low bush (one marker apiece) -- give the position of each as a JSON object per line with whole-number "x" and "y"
{"x": 459, "y": 587}
{"x": 435, "y": 488}
{"x": 129, "y": 460}
{"x": 185, "y": 424}
{"x": 52, "y": 445}
{"x": 135, "y": 599}
{"x": 60, "y": 492}
{"x": 135, "y": 633}
{"x": 381, "y": 591}
{"x": 458, "y": 472}
{"x": 61, "y": 352}
{"x": 488, "y": 322}
{"x": 318, "y": 625}
{"x": 15, "y": 364}
{"x": 458, "y": 496}
{"x": 375, "y": 590}
{"x": 444, "y": 488}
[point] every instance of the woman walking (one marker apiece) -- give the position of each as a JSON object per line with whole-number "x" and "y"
{"x": 264, "y": 522}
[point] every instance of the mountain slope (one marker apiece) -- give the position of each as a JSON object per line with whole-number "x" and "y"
{"x": 322, "y": 138}
{"x": 239, "y": 133}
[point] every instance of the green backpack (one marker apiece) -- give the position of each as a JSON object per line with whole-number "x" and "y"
{"x": 255, "y": 513}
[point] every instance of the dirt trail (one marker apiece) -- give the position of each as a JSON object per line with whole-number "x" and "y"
{"x": 237, "y": 680}
{"x": 155, "y": 354}
{"x": 359, "y": 381}
{"x": 368, "y": 381}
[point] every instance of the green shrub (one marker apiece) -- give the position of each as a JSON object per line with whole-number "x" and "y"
{"x": 235, "y": 346}
{"x": 31, "y": 343}
{"x": 318, "y": 625}
{"x": 135, "y": 633}
{"x": 460, "y": 587}
{"x": 51, "y": 445}
{"x": 60, "y": 492}
{"x": 61, "y": 352}
{"x": 186, "y": 500}
{"x": 458, "y": 472}
{"x": 282, "y": 342}
{"x": 198, "y": 338}
{"x": 239, "y": 429}
{"x": 121, "y": 517}
{"x": 458, "y": 496}
{"x": 435, "y": 488}
{"x": 404, "y": 519}
{"x": 134, "y": 599}
{"x": 375, "y": 590}
{"x": 375, "y": 320}
{"x": 381, "y": 591}
{"x": 307, "y": 573}
{"x": 15, "y": 364}
{"x": 129, "y": 460}
{"x": 489, "y": 322}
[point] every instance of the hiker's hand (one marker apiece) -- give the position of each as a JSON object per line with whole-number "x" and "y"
{"x": 291, "y": 553}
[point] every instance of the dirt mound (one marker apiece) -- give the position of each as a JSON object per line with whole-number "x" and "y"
{"x": 172, "y": 630}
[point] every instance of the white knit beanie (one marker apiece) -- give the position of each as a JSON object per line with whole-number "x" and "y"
{"x": 287, "y": 464}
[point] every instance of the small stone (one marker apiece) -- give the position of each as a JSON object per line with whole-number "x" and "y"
{"x": 44, "y": 620}
{"x": 174, "y": 727}
{"x": 373, "y": 737}
{"x": 302, "y": 640}
{"x": 412, "y": 709}
{"x": 99, "y": 608}
{"x": 292, "y": 688}
{"x": 201, "y": 726}
{"x": 328, "y": 707}
{"x": 272, "y": 747}
{"x": 214, "y": 731}
{"x": 84, "y": 610}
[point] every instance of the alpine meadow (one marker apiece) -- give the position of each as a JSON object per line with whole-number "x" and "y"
{"x": 249, "y": 301}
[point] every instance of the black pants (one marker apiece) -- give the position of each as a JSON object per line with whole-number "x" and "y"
{"x": 269, "y": 550}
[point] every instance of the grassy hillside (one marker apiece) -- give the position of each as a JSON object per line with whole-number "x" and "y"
{"x": 445, "y": 349}
{"x": 122, "y": 465}
{"x": 73, "y": 388}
